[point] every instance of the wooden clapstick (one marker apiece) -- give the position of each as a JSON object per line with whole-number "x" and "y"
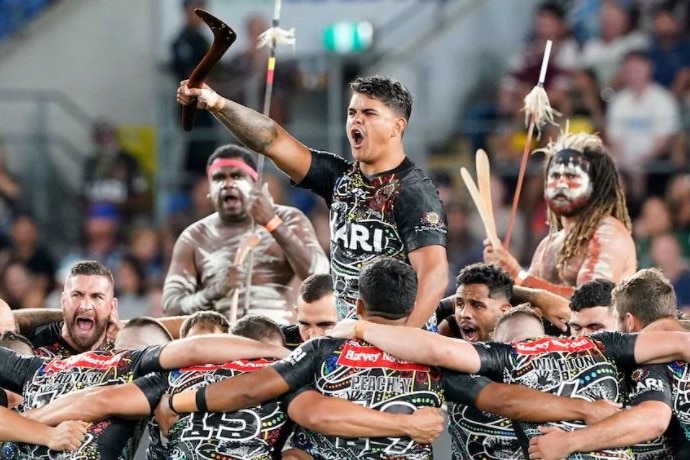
{"x": 484, "y": 184}
{"x": 248, "y": 244}
{"x": 479, "y": 203}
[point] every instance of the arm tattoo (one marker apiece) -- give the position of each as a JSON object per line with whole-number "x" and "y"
{"x": 251, "y": 128}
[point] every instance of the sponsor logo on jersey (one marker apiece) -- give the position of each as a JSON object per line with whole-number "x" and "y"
{"x": 366, "y": 236}
{"x": 355, "y": 355}
{"x": 85, "y": 361}
{"x": 554, "y": 345}
{"x": 241, "y": 365}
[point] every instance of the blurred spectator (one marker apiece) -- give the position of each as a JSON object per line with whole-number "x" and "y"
{"x": 188, "y": 48}
{"x": 654, "y": 220}
{"x": 100, "y": 239}
{"x": 244, "y": 77}
{"x": 113, "y": 176}
{"x": 666, "y": 254}
{"x": 670, "y": 50}
{"x": 678, "y": 197}
{"x": 617, "y": 37}
{"x": 27, "y": 250}
{"x": 130, "y": 289}
{"x": 16, "y": 287}
{"x": 642, "y": 120}
{"x": 584, "y": 107}
{"x": 146, "y": 249}
{"x": 9, "y": 193}
{"x": 464, "y": 247}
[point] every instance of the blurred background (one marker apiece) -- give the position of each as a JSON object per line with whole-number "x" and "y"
{"x": 94, "y": 163}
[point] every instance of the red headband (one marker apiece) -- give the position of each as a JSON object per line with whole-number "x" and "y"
{"x": 233, "y": 163}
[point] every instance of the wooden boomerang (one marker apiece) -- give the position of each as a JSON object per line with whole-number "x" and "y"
{"x": 248, "y": 244}
{"x": 476, "y": 197}
{"x": 223, "y": 37}
{"x": 484, "y": 184}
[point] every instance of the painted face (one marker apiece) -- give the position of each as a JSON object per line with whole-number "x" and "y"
{"x": 316, "y": 317}
{"x": 590, "y": 320}
{"x": 87, "y": 302}
{"x": 228, "y": 187}
{"x": 568, "y": 184}
{"x": 476, "y": 312}
{"x": 370, "y": 128}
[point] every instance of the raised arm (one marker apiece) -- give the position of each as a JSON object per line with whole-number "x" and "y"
{"x": 430, "y": 264}
{"x": 413, "y": 344}
{"x": 66, "y": 436}
{"x": 30, "y": 318}
{"x": 251, "y": 128}
{"x": 553, "y": 307}
{"x": 339, "y": 417}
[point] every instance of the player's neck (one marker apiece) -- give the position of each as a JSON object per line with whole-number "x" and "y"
{"x": 75, "y": 347}
{"x": 387, "y": 161}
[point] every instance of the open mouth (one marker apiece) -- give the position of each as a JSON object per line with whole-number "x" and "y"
{"x": 85, "y": 324}
{"x": 230, "y": 198}
{"x": 469, "y": 333}
{"x": 357, "y": 138}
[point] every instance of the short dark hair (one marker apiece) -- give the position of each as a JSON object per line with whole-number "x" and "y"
{"x": 91, "y": 268}
{"x": 648, "y": 295}
{"x": 233, "y": 151}
{"x": 258, "y": 327}
{"x": 15, "y": 342}
{"x": 315, "y": 287}
{"x": 147, "y": 321}
{"x": 388, "y": 288}
{"x": 595, "y": 293}
{"x": 391, "y": 92}
{"x": 553, "y": 8}
{"x": 209, "y": 319}
{"x": 500, "y": 284}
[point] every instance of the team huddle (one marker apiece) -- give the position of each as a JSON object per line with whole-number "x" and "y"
{"x": 581, "y": 356}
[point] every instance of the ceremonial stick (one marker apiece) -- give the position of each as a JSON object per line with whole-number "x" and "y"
{"x": 484, "y": 183}
{"x": 272, "y": 37}
{"x": 250, "y": 241}
{"x": 481, "y": 207}
{"x": 537, "y": 111}
{"x": 223, "y": 37}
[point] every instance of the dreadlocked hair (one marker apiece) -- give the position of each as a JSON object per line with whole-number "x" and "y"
{"x": 607, "y": 197}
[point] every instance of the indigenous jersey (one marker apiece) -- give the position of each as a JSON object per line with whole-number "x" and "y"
{"x": 582, "y": 367}
{"x": 475, "y": 434}
{"x": 359, "y": 372}
{"x": 256, "y": 433}
{"x": 41, "y": 381}
{"x": 48, "y": 342}
{"x": 389, "y": 214}
{"x": 670, "y": 384}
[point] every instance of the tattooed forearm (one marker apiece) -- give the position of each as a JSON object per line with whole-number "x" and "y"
{"x": 251, "y": 128}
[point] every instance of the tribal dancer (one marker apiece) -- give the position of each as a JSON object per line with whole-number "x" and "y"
{"x": 590, "y": 231}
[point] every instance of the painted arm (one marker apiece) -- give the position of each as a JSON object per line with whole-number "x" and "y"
{"x": 431, "y": 265}
{"x": 637, "y": 424}
{"x": 517, "y": 402}
{"x": 339, "y": 417}
{"x": 66, "y": 436}
{"x": 413, "y": 344}
{"x": 95, "y": 403}
{"x": 215, "y": 349}
{"x": 257, "y": 132}
{"x": 553, "y": 307}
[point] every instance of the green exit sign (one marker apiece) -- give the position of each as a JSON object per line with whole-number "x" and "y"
{"x": 348, "y": 37}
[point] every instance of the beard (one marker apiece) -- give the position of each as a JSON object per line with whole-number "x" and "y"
{"x": 568, "y": 207}
{"x": 88, "y": 340}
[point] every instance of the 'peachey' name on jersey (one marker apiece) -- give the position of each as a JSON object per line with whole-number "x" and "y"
{"x": 384, "y": 383}
{"x": 355, "y": 355}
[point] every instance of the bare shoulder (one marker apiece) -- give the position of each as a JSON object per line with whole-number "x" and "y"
{"x": 199, "y": 230}
{"x": 613, "y": 231}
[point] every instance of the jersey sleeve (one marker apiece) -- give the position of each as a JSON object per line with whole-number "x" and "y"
{"x": 299, "y": 368}
{"x": 494, "y": 358}
{"x": 650, "y": 383}
{"x": 324, "y": 171}
{"x": 153, "y": 386}
{"x": 419, "y": 215}
{"x": 618, "y": 346}
{"x": 147, "y": 360}
{"x": 463, "y": 388}
{"x": 16, "y": 369}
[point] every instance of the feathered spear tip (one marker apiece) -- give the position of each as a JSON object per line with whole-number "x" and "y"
{"x": 537, "y": 107}
{"x": 278, "y": 36}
